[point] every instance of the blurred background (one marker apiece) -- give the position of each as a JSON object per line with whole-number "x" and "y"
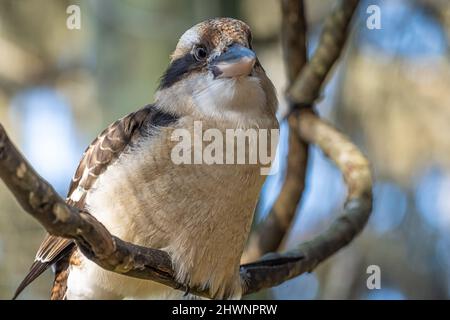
{"x": 389, "y": 93}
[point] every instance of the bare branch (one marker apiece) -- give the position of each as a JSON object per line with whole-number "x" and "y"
{"x": 305, "y": 82}
{"x": 306, "y": 89}
{"x": 306, "y": 127}
{"x": 40, "y": 200}
{"x": 270, "y": 233}
{"x": 293, "y": 37}
{"x": 356, "y": 172}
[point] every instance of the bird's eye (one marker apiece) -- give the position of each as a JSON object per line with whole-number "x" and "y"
{"x": 200, "y": 53}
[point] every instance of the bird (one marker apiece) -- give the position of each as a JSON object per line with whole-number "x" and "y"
{"x": 200, "y": 214}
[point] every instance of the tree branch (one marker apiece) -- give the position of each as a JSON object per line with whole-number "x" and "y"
{"x": 306, "y": 89}
{"x": 356, "y": 171}
{"x": 269, "y": 235}
{"x": 40, "y": 200}
{"x": 305, "y": 82}
{"x": 306, "y": 127}
{"x": 293, "y": 37}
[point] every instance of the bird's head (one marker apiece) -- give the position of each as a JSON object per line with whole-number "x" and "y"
{"x": 214, "y": 71}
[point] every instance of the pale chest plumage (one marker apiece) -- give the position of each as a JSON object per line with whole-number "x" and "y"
{"x": 200, "y": 214}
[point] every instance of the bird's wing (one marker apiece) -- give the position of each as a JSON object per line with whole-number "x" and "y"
{"x": 101, "y": 153}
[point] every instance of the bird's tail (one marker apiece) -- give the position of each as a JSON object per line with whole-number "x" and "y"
{"x": 36, "y": 269}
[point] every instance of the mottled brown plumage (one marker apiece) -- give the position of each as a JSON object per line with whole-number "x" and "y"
{"x": 101, "y": 153}
{"x": 200, "y": 214}
{"x": 218, "y": 33}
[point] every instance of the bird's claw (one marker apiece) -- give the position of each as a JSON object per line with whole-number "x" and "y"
{"x": 187, "y": 291}
{"x": 186, "y": 287}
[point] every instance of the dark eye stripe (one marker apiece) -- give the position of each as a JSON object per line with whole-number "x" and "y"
{"x": 178, "y": 69}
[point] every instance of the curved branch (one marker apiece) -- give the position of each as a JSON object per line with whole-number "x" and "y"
{"x": 356, "y": 171}
{"x": 40, "y": 200}
{"x": 306, "y": 127}
{"x": 305, "y": 82}
{"x": 306, "y": 89}
{"x": 269, "y": 235}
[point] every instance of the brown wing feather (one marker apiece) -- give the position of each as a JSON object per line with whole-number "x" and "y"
{"x": 102, "y": 152}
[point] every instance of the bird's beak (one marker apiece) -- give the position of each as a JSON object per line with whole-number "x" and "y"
{"x": 236, "y": 61}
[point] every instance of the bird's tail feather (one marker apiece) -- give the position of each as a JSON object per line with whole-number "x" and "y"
{"x": 36, "y": 269}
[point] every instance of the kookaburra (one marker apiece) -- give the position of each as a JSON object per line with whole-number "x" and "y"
{"x": 201, "y": 213}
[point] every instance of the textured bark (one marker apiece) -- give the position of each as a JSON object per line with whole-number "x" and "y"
{"x": 41, "y": 201}
{"x": 38, "y": 198}
{"x": 305, "y": 81}
{"x": 356, "y": 171}
{"x": 306, "y": 89}
{"x": 293, "y": 37}
{"x": 269, "y": 235}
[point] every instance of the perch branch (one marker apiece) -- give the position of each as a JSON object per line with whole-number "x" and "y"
{"x": 305, "y": 81}
{"x": 40, "y": 200}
